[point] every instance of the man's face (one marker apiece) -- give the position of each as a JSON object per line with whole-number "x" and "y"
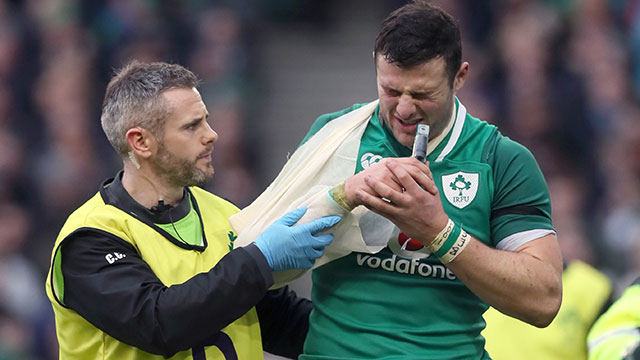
{"x": 418, "y": 95}
{"x": 185, "y": 149}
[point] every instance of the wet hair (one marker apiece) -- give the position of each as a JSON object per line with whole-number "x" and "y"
{"x": 417, "y": 33}
{"x": 133, "y": 98}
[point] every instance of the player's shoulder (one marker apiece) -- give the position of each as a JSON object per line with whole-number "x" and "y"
{"x": 501, "y": 149}
{"x": 325, "y": 118}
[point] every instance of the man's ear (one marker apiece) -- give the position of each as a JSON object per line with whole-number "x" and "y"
{"x": 141, "y": 142}
{"x": 461, "y": 76}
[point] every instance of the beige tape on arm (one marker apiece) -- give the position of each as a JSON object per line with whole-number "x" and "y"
{"x": 340, "y": 196}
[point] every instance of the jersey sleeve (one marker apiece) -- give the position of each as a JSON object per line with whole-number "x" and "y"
{"x": 322, "y": 120}
{"x": 521, "y": 207}
{"x": 125, "y": 299}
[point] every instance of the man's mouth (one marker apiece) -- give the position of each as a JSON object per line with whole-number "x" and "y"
{"x": 407, "y": 125}
{"x": 206, "y": 155}
{"x": 412, "y": 122}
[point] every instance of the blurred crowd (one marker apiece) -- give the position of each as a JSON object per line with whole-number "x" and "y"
{"x": 560, "y": 76}
{"x": 56, "y": 57}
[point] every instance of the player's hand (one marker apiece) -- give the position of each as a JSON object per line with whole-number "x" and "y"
{"x": 356, "y": 184}
{"x": 295, "y": 247}
{"x": 407, "y": 196}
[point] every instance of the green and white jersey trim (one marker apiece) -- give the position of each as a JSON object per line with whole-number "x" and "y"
{"x": 455, "y": 133}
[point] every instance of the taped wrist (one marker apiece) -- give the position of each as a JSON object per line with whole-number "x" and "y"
{"x": 340, "y": 196}
{"x": 450, "y": 242}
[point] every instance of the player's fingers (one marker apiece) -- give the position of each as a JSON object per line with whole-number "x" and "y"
{"x": 377, "y": 204}
{"x": 415, "y": 164}
{"x": 383, "y": 191}
{"x": 427, "y": 166}
{"x": 425, "y": 179}
{"x": 407, "y": 180}
{"x": 421, "y": 176}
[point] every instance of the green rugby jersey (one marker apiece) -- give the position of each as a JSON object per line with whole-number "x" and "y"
{"x": 403, "y": 303}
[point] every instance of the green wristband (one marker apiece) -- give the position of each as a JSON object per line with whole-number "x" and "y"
{"x": 451, "y": 240}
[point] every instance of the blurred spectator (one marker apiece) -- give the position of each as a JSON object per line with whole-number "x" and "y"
{"x": 21, "y": 297}
{"x": 621, "y": 213}
{"x": 568, "y": 199}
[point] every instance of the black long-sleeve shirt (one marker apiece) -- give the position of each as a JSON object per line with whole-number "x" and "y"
{"x": 127, "y": 300}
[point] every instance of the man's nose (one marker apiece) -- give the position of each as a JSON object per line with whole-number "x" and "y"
{"x": 405, "y": 108}
{"x": 211, "y": 136}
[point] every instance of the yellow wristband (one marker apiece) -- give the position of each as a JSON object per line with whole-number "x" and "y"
{"x": 340, "y": 196}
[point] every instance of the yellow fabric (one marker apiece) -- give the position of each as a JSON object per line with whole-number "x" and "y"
{"x": 585, "y": 291}
{"x": 326, "y": 159}
{"x": 617, "y": 330}
{"x": 80, "y": 340}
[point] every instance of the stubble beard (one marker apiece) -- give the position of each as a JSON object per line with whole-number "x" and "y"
{"x": 180, "y": 172}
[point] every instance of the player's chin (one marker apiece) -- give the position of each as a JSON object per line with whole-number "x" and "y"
{"x": 405, "y": 139}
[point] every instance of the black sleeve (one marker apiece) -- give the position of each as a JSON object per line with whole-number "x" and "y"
{"x": 126, "y": 300}
{"x": 284, "y": 322}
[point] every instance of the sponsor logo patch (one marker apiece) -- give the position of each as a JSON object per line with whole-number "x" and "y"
{"x": 405, "y": 266}
{"x": 403, "y": 245}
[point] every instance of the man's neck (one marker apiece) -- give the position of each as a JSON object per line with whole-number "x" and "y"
{"x": 147, "y": 189}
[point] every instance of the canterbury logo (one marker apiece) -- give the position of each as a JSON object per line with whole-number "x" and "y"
{"x": 369, "y": 159}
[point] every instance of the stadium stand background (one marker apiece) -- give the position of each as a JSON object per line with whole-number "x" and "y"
{"x": 562, "y": 77}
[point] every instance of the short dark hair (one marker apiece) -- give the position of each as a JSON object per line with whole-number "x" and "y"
{"x": 419, "y": 32}
{"x": 133, "y": 98}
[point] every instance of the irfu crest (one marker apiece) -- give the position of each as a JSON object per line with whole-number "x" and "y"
{"x": 460, "y": 188}
{"x": 459, "y": 183}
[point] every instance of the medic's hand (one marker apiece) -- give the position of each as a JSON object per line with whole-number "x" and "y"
{"x": 295, "y": 247}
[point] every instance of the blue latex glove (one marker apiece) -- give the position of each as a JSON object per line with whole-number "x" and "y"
{"x": 295, "y": 247}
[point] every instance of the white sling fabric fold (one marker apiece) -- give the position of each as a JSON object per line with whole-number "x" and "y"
{"x": 326, "y": 159}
